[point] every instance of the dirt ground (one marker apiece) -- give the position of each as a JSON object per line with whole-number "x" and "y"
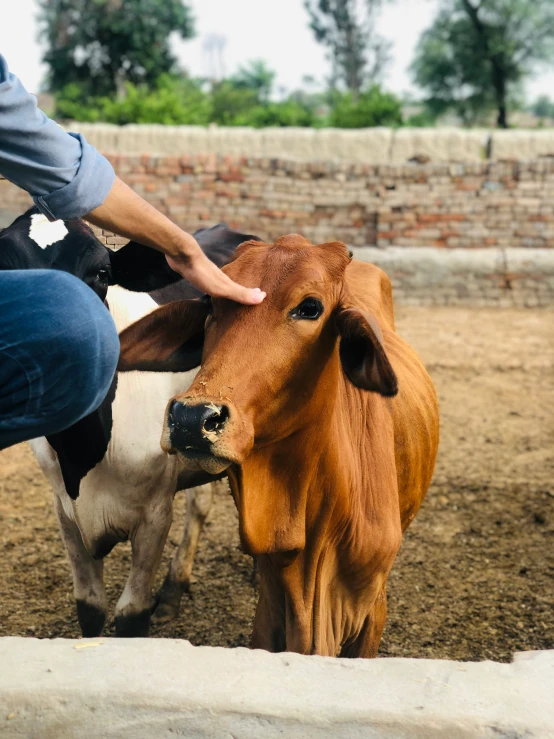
{"x": 474, "y": 578}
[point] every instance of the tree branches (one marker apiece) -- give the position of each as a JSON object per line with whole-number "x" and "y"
{"x": 347, "y": 28}
{"x": 98, "y": 45}
{"x": 486, "y": 48}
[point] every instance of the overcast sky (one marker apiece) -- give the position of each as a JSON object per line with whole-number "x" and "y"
{"x": 274, "y": 30}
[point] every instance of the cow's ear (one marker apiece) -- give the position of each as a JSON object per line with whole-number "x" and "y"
{"x": 362, "y": 354}
{"x": 140, "y": 268}
{"x": 170, "y": 339}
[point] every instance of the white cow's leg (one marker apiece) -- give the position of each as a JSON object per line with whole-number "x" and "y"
{"x": 177, "y": 581}
{"x": 88, "y": 584}
{"x": 132, "y": 613}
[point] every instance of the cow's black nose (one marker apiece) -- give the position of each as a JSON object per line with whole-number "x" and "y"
{"x": 195, "y": 426}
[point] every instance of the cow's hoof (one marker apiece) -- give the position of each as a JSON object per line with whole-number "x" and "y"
{"x": 133, "y": 625}
{"x": 168, "y": 601}
{"x": 91, "y": 619}
{"x": 165, "y": 612}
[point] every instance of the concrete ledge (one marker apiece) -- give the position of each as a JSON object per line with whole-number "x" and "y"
{"x": 367, "y": 145}
{"x": 164, "y": 688}
{"x": 522, "y": 144}
{"x": 439, "y": 145}
{"x": 296, "y": 144}
{"x": 474, "y": 277}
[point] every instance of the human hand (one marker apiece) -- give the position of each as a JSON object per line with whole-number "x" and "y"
{"x": 126, "y": 213}
{"x": 208, "y": 278}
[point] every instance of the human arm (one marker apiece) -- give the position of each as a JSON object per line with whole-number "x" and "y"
{"x": 67, "y": 178}
{"x": 126, "y": 213}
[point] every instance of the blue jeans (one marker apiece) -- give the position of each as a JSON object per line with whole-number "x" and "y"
{"x": 58, "y": 353}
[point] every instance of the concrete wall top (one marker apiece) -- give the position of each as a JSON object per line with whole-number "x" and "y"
{"x": 373, "y": 145}
{"x": 434, "y": 265}
{"x": 442, "y": 145}
{"x": 138, "y": 688}
{"x": 302, "y": 144}
{"x": 522, "y": 145}
{"x": 511, "y": 277}
{"x": 370, "y": 145}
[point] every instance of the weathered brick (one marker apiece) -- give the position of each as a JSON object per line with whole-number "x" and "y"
{"x": 465, "y": 205}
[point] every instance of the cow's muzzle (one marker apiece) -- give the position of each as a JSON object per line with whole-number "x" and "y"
{"x": 192, "y": 432}
{"x": 195, "y": 426}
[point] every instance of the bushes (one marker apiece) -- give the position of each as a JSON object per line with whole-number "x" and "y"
{"x": 372, "y": 108}
{"x": 230, "y": 105}
{"x": 179, "y": 100}
{"x": 286, "y": 113}
{"x": 174, "y": 101}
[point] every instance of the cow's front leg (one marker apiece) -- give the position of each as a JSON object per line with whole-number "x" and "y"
{"x": 366, "y": 644}
{"x": 177, "y": 581}
{"x": 132, "y": 613}
{"x": 88, "y": 583}
{"x": 270, "y": 625}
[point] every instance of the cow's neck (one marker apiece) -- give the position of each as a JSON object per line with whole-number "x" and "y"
{"x": 314, "y": 505}
{"x": 84, "y": 445}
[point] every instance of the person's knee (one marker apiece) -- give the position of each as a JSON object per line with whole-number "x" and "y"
{"x": 58, "y": 350}
{"x": 86, "y": 348}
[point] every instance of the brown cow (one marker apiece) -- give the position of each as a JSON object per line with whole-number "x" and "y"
{"x": 326, "y": 422}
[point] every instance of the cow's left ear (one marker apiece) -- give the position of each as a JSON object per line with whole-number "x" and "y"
{"x": 140, "y": 268}
{"x": 362, "y": 354}
{"x": 170, "y": 339}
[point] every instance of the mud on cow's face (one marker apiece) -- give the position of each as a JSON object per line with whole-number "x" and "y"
{"x": 266, "y": 370}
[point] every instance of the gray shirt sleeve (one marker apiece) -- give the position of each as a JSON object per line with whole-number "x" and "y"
{"x": 65, "y": 176}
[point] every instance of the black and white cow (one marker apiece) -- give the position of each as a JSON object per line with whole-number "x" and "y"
{"x": 111, "y": 480}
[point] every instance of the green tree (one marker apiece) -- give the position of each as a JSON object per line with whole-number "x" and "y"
{"x": 230, "y": 102}
{"x": 543, "y": 107}
{"x": 347, "y": 28}
{"x": 99, "y": 45}
{"x": 255, "y": 76}
{"x": 477, "y": 53}
{"x": 448, "y": 69}
{"x": 371, "y": 108}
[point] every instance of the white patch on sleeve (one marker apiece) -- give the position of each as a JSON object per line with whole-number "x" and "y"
{"x": 45, "y": 232}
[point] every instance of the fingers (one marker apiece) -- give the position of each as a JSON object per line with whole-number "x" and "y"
{"x": 245, "y": 295}
{"x": 224, "y": 287}
{"x": 206, "y": 276}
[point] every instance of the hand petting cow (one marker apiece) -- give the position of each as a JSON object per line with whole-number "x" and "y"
{"x": 325, "y": 421}
{"x": 111, "y": 480}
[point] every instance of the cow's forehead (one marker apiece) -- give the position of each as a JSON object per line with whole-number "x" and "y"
{"x": 288, "y": 263}
{"x": 44, "y": 232}
{"x": 67, "y": 240}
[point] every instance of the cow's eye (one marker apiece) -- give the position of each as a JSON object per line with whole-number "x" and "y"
{"x": 309, "y": 309}
{"x": 103, "y": 275}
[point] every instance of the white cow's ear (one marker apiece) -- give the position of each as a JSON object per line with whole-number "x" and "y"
{"x": 169, "y": 339}
{"x": 362, "y": 354}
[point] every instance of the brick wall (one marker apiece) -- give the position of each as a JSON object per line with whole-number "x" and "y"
{"x": 471, "y": 205}
{"x": 494, "y": 276}
{"x": 13, "y": 202}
